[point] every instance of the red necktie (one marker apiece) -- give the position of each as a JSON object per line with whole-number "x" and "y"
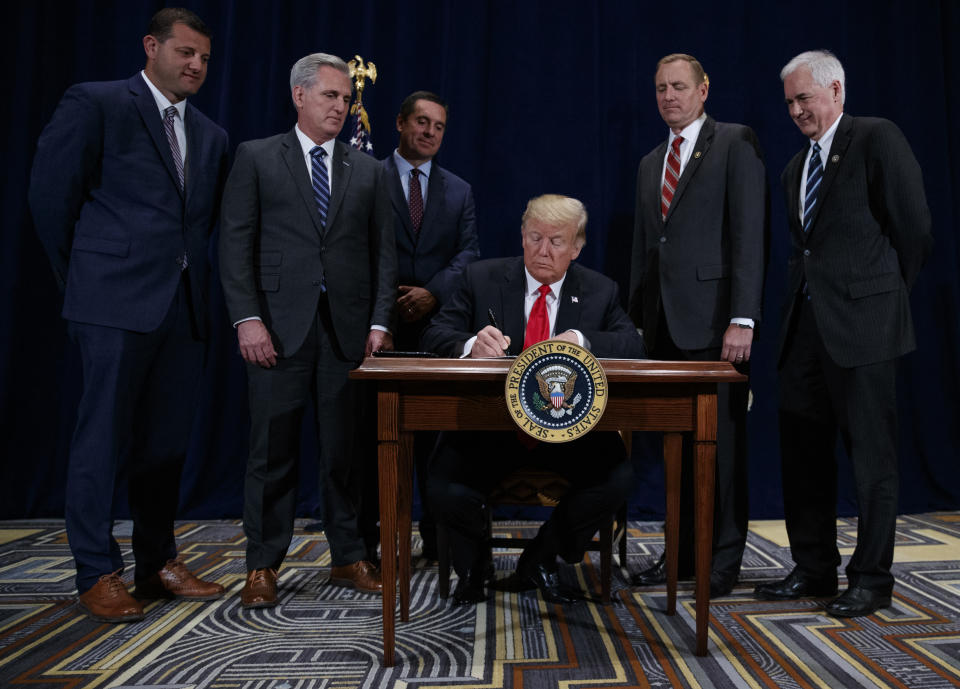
{"x": 538, "y": 324}
{"x": 416, "y": 200}
{"x": 671, "y": 175}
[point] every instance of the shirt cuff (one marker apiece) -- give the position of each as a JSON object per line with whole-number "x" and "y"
{"x": 468, "y": 347}
{"x": 249, "y": 318}
{"x": 381, "y": 329}
{"x": 742, "y": 321}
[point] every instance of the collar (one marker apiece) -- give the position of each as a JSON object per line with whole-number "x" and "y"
{"x": 162, "y": 101}
{"x": 533, "y": 285}
{"x": 826, "y": 141}
{"x": 689, "y": 133}
{"x": 404, "y": 167}
{"x": 306, "y": 143}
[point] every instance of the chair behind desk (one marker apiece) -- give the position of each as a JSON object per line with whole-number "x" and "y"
{"x": 542, "y": 488}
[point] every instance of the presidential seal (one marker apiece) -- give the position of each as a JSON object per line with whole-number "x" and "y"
{"x": 556, "y": 391}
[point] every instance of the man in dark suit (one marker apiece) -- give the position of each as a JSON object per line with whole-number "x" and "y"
{"x": 575, "y": 304}
{"x": 859, "y": 231}
{"x": 697, "y": 282}
{"x": 124, "y": 194}
{"x": 436, "y": 231}
{"x": 308, "y": 264}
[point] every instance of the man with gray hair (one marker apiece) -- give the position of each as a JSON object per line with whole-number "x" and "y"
{"x": 308, "y": 264}
{"x": 859, "y": 232}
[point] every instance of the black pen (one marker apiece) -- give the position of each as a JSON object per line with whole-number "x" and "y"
{"x": 493, "y": 322}
{"x": 493, "y": 319}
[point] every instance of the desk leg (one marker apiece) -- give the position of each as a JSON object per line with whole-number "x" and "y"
{"x": 704, "y": 473}
{"x": 388, "y": 459}
{"x": 672, "y": 445}
{"x": 404, "y": 507}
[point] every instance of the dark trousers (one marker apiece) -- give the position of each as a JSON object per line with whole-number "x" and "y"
{"x": 818, "y": 399}
{"x": 732, "y": 498}
{"x": 133, "y": 424}
{"x": 278, "y": 397}
{"x": 467, "y": 466}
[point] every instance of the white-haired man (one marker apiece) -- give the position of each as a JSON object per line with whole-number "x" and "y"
{"x": 859, "y": 231}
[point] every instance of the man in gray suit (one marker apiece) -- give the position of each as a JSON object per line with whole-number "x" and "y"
{"x": 859, "y": 233}
{"x": 308, "y": 263}
{"x": 697, "y": 281}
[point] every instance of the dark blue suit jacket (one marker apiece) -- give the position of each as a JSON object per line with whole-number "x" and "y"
{"x": 589, "y": 302}
{"x": 108, "y": 206}
{"x": 447, "y": 241}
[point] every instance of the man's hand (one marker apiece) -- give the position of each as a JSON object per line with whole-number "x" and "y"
{"x": 490, "y": 342}
{"x": 568, "y": 336}
{"x": 378, "y": 340}
{"x": 256, "y": 347}
{"x": 414, "y": 303}
{"x": 736, "y": 344}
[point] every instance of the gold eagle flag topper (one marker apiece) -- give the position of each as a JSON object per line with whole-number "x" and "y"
{"x": 360, "y": 72}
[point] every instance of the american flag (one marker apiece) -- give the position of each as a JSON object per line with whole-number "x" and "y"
{"x": 361, "y": 136}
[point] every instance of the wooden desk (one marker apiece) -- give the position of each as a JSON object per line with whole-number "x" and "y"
{"x": 468, "y": 394}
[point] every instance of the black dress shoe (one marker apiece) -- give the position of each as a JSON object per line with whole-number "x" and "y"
{"x": 657, "y": 574}
{"x": 722, "y": 583}
{"x": 857, "y": 601}
{"x": 548, "y": 582}
{"x": 797, "y": 585}
{"x": 468, "y": 592}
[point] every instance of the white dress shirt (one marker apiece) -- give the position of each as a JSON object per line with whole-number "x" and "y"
{"x": 163, "y": 103}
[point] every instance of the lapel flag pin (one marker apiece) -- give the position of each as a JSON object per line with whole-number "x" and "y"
{"x": 574, "y": 299}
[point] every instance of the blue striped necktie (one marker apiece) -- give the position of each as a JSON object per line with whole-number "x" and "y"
{"x": 814, "y": 177}
{"x": 321, "y": 185}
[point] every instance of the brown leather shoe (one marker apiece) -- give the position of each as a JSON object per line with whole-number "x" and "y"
{"x": 109, "y": 601}
{"x": 260, "y": 591}
{"x": 361, "y": 575}
{"x": 176, "y": 581}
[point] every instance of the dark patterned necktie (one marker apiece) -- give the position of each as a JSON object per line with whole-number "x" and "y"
{"x": 416, "y": 200}
{"x": 169, "y": 115}
{"x": 538, "y": 324}
{"x": 671, "y": 175}
{"x": 814, "y": 177}
{"x": 321, "y": 185}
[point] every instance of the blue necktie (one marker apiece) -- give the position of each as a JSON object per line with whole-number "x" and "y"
{"x": 321, "y": 185}
{"x": 814, "y": 177}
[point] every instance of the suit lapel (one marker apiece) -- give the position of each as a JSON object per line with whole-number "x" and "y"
{"x": 838, "y": 149}
{"x": 395, "y": 189}
{"x": 147, "y": 106}
{"x": 791, "y": 184}
{"x": 194, "y": 159}
{"x": 293, "y": 158}
{"x": 655, "y": 188}
{"x": 568, "y": 308}
{"x": 512, "y": 290}
{"x": 700, "y": 148}
{"x": 436, "y": 196}
{"x": 341, "y": 179}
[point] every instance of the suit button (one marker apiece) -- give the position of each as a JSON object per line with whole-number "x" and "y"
{"x": 663, "y": 239}
{"x": 806, "y": 252}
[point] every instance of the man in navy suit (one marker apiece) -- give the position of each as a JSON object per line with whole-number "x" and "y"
{"x": 308, "y": 265}
{"x": 124, "y": 194}
{"x": 582, "y": 306}
{"x": 859, "y": 233}
{"x": 697, "y": 285}
{"x": 436, "y": 231}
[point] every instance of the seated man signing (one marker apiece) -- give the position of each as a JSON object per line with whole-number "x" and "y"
{"x": 567, "y": 302}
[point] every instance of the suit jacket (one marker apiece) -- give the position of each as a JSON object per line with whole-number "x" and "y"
{"x": 589, "y": 302}
{"x": 705, "y": 263}
{"x": 869, "y": 236}
{"x": 275, "y": 254}
{"x": 435, "y": 256}
{"x": 109, "y": 210}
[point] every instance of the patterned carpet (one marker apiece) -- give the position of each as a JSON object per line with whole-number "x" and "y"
{"x": 322, "y": 636}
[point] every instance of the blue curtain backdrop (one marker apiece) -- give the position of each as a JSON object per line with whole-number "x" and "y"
{"x": 545, "y": 96}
